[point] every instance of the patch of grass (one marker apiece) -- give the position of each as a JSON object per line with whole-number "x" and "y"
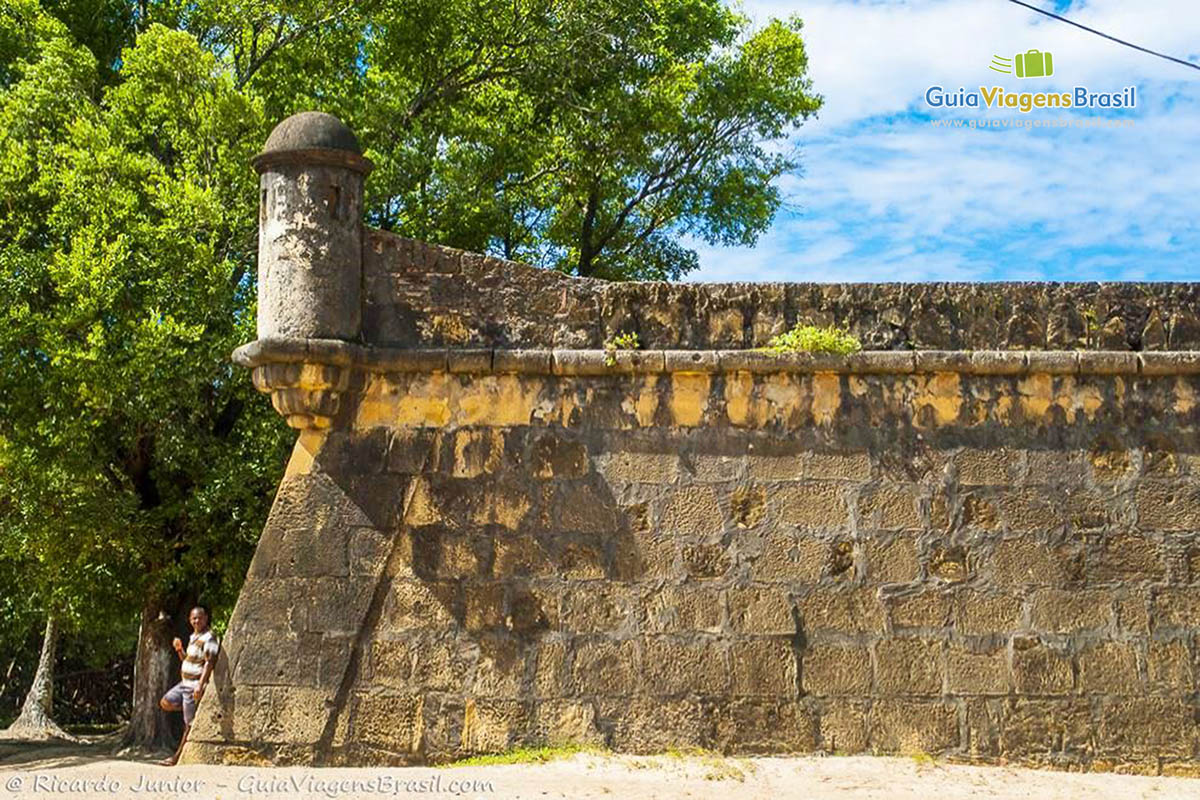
{"x": 812, "y": 339}
{"x": 528, "y": 755}
{"x": 622, "y": 341}
{"x": 921, "y": 758}
{"x": 719, "y": 767}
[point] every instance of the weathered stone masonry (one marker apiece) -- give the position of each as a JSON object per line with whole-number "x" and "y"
{"x": 487, "y": 536}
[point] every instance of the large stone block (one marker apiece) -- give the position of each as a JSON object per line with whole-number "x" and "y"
{"x": 929, "y": 609}
{"x": 1126, "y": 559}
{"x": 909, "y": 667}
{"x": 775, "y": 468}
{"x": 838, "y": 466}
{"x": 443, "y": 553}
{"x": 987, "y": 467}
{"x": 388, "y": 720}
{"x": 585, "y": 506}
{"x": 893, "y": 561}
{"x": 639, "y": 467}
{"x": 842, "y": 611}
{"x": 1026, "y": 562}
{"x": 677, "y": 609}
{"x": 500, "y": 666}
{"x": 279, "y": 714}
{"x": 605, "y": 668}
{"x": 971, "y": 672}
{"x": 1109, "y": 668}
{"x": 843, "y": 725}
{"x": 907, "y": 726}
{"x": 506, "y": 506}
{"x": 533, "y": 609}
{"x": 786, "y": 558}
{"x": 552, "y": 456}
{"x": 597, "y": 607}
{"x": 764, "y": 725}
{"x": 1148, "y": 726}
{"x": 654, "y": 725}
{"x": 1177, "y": 608}
{"x": 889, "y": 507}
{"x": 1133, "y": 613}
{"x": 762, "y": 667}
{"x": 836, "y": 669}
{"x": 647, "y": 554}
{"x": 477, "y": 451}
{"x": 747, "y": 505}
{"x": 413, "y": 605}
{"x": 549, "y": 669}
{"x": 816, "y": 506}
{"x": 984, "y": 727}
{"x": 1167, "y": 506}
{"x": 1070, "y": 611}
{"x": 522, "y": 556}
{"x": 717, "y": 468}
{"x": 565, "y": 723}
{"x": 1031, "y": 510}
{"x": 1169, "y": 667}
{"x": 760, "y": 611}
{"x": 422, "y": 663}
{"x": 409, "y": 450}
{"x": 492, "y": 726}
{"x": 483, "y": 606}
{"x": 711, "y": 560}
{"x": 291, "y": 659}
{"x": 979, "y": 613}
{"x": 680, "y": 666}
{"x": 1040, "y": 727}
{"x": 693, "y": 511}
{"x": 1040, "y": 670}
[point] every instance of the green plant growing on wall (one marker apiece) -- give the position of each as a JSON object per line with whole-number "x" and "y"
{"x": 621, "y": 341}
{"x": 1090, "y": 326}
{"x": 813, "y": 339}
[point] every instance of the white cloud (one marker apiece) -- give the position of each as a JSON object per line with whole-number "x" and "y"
{"x": 890, "y": 197}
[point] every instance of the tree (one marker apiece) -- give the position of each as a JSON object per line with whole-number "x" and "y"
{"x": 49, "y": 538}
{"x": 596, "y": 138}
{"x": 591, "y": 137}
{"x": 36, "y": 718}
{"x": 126, "y": 273}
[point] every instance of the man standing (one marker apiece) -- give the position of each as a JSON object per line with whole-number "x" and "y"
{"x": 198, "y": 662}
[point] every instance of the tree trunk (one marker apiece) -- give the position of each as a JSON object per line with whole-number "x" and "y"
{"x": 36, "y": 718}
{"x": 154, "y": 669}
{"x": 587, "y": 250}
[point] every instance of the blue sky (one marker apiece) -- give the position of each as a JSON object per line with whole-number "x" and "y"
{"x": 885, "y": 195}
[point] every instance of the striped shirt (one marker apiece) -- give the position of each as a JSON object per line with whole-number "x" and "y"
{"x": 202, "y": 648}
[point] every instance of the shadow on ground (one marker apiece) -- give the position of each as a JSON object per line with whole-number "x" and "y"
{"x": 57, "y": 754}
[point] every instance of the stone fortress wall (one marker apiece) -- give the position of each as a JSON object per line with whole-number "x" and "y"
{"x": 488, "y": 536}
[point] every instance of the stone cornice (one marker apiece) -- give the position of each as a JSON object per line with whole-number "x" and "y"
{"x": 337, "y": 353}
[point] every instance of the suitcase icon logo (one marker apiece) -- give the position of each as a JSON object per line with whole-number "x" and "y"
{"x": 1031, "y": 64}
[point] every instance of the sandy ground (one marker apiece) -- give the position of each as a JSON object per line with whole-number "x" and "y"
{"x": 83, "y": 772}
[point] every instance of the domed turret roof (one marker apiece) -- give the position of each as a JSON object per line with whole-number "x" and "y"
{"x": 312, "y": 130}
{"x": 312, "y": 137}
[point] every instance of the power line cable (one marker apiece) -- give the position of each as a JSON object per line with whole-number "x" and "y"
{"x": 1106, "y": 36}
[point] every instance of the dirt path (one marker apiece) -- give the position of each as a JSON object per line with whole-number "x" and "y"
{"x": 75, "y": 772}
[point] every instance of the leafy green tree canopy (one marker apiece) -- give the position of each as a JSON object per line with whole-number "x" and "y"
{"x": 596, "y": 137}
{"x": 137, "y": 464}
